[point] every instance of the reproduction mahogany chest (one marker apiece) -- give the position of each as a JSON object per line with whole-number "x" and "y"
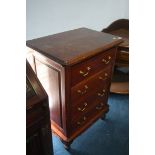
{"x": 75, "y": 68}
{"x": 38, "y": 130}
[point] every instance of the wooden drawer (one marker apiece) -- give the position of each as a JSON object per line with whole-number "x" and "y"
{"x": 88, "y": 118}
{"x": 93, "y": 65}
{"x": 87, "y": 104}
{"x": 92, "y": 84}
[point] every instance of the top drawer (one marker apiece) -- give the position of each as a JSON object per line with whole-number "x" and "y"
{"x": 84, "y": 70}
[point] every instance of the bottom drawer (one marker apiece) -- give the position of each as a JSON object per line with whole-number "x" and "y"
{"x": 88, "y": 118}
{"x": 89, "y": 104}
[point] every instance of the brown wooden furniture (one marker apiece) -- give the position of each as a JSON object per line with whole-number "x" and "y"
{"x": 120, "y": 80}
{"x": 75, "y": 68}
{"x": 38, "y": 131}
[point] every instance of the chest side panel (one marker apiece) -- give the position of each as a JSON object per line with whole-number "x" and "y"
{"x": 50, "y": 78}
{"x": 51, "y": 75}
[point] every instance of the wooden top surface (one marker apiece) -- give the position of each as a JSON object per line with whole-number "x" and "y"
{"x": 73, "y": 46}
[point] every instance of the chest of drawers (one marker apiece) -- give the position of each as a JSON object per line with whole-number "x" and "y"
{"x": 75, "y": 68}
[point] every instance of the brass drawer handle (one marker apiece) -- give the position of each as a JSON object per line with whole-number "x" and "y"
{"x": 100, "y": 106}
{"x": 106, "y": 61}
{"x": 83, "y": 92}
{"x": 82, "y": 121}
{"x": 105, "y": 77}
{"x": 103, "y": 94}
{"x": 84, "y": 74}
{"x": 84, "y": 107}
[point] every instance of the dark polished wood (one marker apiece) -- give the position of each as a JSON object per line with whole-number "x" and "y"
{"x": 75, "y": 68}
{"x": 72, "y": 47}
{"x": 38, "y": 131}
{"x": 120, "y": 28}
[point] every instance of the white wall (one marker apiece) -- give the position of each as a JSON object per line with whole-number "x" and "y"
{"x": 45, "y": 17}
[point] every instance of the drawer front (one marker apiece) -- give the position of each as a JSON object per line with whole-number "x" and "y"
{"x": 91, "y": 85}
{"x": 93, "y": 65}
{"x": 86, "y": 105}
{"x": 90, "y": 116}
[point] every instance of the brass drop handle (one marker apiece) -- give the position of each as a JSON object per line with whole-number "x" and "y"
{"x": 80, "y": 122}
{"x": 100, "y": 106}
{"x": 106, "y": 61}
{"x": 105, "y": 77}
{"x": 84, "y": 74}
{"x": 84, "y": 107}
{"x": 103, "y": 94}
{"x": 84, "y": 91}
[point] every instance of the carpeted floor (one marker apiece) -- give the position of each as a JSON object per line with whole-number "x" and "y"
{"x": 109, "y": 137}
